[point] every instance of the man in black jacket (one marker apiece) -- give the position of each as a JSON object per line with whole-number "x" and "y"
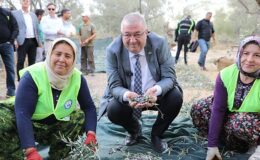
{"x": 183, "y": 36}
{"x": 9, "y": 31}
{"x": 204, "y": 30}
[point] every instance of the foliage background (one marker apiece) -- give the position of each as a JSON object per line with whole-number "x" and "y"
{"x": 235, "y": 20}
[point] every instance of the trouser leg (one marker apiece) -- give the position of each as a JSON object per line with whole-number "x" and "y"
{"x": 169, "y": 106}
{"x": 203, "y": 52}
{"x": 90, "y": 57}
{"x": 7, "y": 53}
{"x": 242, "y": 131}
{"x": 83, "y": 59}
{"x": 200, "y": 114}
{"x": 185, "y": 52}
{"x": 121, "y": 114}
{"x": 32, "y": 51}
{"x": 51, "y": 134}
{"x": 178, "y": 51}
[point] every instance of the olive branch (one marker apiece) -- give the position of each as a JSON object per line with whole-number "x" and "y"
{"x": 146, "y": 99}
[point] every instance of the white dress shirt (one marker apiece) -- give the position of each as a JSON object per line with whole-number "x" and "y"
{"x": 29, "y": 25}
{"x": 147, "y": 78}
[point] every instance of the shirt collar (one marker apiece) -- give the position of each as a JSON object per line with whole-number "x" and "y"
{"x": 25, "y": 12}
{"x": 133, "y": 54}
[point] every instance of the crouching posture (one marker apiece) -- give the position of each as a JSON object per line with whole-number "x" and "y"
{"x": 140, "y": 73}
{"x": 46, "y": 100}
{"x": 233, "y": 115}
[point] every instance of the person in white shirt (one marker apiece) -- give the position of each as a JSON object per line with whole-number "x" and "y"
{"x": 51, "y": 26}
{"x": 67, "y": 28}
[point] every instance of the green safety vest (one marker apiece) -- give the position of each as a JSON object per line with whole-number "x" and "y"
{"x": 45, "y": 106}
{"x": 251, "y": 102}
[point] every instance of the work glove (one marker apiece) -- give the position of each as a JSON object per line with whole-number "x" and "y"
{"x": 33, "y": 155}
{"x": 91, "y": 139}
{"x": 212, "y": 153}
{"x": 256, "y": 155}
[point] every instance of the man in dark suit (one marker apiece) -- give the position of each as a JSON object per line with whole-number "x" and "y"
{"x": 138, "y": 48}
{"x": 28, "y": 38}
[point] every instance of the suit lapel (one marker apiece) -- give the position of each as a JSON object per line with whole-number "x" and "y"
{"x": 150, "y": 58}
{"x": 20, "y": 14}
{"x": 126, "y": 66}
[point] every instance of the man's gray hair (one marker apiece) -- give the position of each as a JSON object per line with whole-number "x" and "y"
{"x": 133, "y": 18}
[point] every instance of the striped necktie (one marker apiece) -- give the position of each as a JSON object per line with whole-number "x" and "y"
{"x": 137, "y": 85}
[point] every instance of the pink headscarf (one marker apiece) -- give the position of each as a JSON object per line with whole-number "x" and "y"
{"x": 242, "y": 45}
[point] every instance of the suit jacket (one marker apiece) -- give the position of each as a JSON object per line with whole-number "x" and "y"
{"x": 18, "y": 14}
{"x": 160, "y": 63}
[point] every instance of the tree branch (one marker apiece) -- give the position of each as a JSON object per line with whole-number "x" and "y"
{"x": 247, "y": 9}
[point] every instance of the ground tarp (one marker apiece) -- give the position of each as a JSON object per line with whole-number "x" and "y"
{"x": 182, "y": 138}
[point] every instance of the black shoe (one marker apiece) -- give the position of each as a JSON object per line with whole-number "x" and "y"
{"x": 158, "y": 144}
{"x": 132, "y": 139}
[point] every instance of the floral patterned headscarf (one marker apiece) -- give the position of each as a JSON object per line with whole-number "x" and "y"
{"x": 242, "y": 45}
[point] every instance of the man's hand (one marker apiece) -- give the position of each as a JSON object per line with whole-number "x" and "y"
{"x": 194, "y": 36}
{"x": 86, "y": 41}
{"x": 131, "y": 96}
{"x": 32, "y": 154}
{"x": 141, "y": 101}
{"x": 152, "y": 97}
{"x": 212, "y": 153}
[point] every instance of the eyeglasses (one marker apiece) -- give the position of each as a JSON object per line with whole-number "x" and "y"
{"x": 135, "y": 35}
{"x": 51, "y": 9}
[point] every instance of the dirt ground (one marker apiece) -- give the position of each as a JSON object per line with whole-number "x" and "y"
{"x": 98, "y": 82}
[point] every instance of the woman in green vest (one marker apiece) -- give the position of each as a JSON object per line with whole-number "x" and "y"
{"x": 231, "y": 118}
{"x": 46, "y": 103}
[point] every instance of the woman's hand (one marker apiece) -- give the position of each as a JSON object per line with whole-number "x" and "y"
{"x": 32, "y": 154}
{"x": 91, "y": 138}
{"x": 212, "y": 153}
{"x": 256, "y": 155}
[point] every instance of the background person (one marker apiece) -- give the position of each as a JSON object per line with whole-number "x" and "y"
{"x": 28, "y": 38}
{"x": 183, "y": 36}
{"x": 9, "y": 31}
{"x": 40, "y": 56}
{"x": 51, "y": 26}
{"x": 139, "y": 63}
{"x": 67, "y": 28}
{"x": 45, "y": 105}
{"x": 233, "y": 116}
{"x": 87, "y": 33}
{"x": 204, "y": 30}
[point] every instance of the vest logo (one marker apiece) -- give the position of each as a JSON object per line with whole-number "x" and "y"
{"x": 68, "y": 104}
